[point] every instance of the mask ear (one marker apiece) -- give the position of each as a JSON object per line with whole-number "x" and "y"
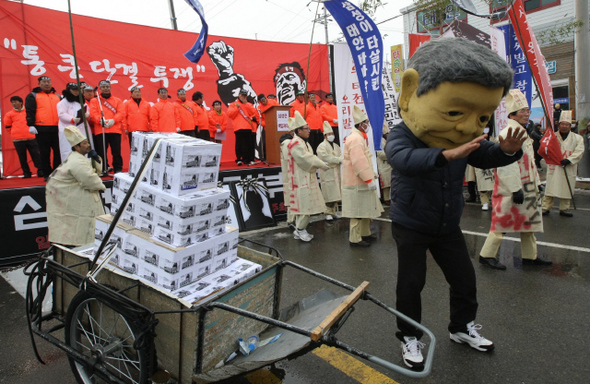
{"x": 410, "y": 82}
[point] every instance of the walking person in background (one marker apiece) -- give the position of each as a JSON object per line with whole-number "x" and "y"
{"x": 384, "y": 168}
{"x": 516, "y": 194}
{"x": 360, "y": 201}
{"x": 305, "y": 196}
{"x": 561, "y": 180}
{"x": 330, "y": 153}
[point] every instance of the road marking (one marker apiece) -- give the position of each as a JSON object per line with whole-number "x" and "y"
{"x": 516, "y": 239}
{"x": 351, "y": 367}
{"x": 262, "y": 376}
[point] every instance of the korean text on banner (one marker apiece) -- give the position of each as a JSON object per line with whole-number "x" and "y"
{"x": 528, "y": 42}
{"x": 195, "y": 53}
{"x": 366, "y": 47}
{"x": 397, "y": 65}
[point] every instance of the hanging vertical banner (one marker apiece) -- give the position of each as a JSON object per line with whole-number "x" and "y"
{"x": 346, "y": 85}
{"x": 397, "y": 65}
{"x": 391, "y": 96}
{"x": 195, "y": 53}
{"x": 526, "y": 38}
{"x": 366, "y": 47}
{"x": 523, "y": 79}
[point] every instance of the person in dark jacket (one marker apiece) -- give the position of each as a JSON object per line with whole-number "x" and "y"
{"x": 449, "y": 92}
{"x": 42, "y": 119}
{"x": 537, "y": 135}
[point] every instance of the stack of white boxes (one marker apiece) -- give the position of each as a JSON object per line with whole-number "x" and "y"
{"x": 173, "y": 231}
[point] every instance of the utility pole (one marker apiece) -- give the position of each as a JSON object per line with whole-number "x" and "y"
{"x": 582, "y": 58}
{"x": 324, "y": 20}
{"x": 172, "y": 15}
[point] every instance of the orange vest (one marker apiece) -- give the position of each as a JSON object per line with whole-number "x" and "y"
{"x": 16, "y": 123}
{"x": 46, "y": 113}
{"x": 215, "y": 118}
{"x": 187, "y": 110}
{"x": 164, "y": 116}
{"x": 238, "y": 121}
{"x": 314, "y": 118}
{"x": 329, "y": 113}
{"x": 113, "y": 109}
{"x": 202, "y": 117}
{"x": 263, "y": 108}
{"x": 137, "y": 117}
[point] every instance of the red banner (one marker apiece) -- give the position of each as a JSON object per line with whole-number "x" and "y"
{"x": 535, "y": 58}
{"x": 416, "y": 40}
{"x": 132, "y": 55}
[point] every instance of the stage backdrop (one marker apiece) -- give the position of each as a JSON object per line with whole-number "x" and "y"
{"x": 36, "y": 41}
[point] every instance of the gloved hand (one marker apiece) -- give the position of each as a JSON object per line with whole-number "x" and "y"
{"x": 565, "y": 162}
{"x": 87, "y": 115}
{"x": 373, "y": 185}
{"x": 218, "y": 130}
{"x": 325, "y": 167}
{"x": 109, "y": 123}
{"x": 103, "y": 122}
{"x": 518, "y": 197}
{"x": 335, "y": 121}
{"x": 33, "y": 130}
{"x": 76, "y": 120}
{"x": 177, "y": 129}
{"x": 93, "y": 155}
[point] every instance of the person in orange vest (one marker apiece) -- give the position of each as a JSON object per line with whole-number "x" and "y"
{"x": 272, "y": 96}
{"x": 314, "y": 119}
{"x": 137, "y": 114}
{"x": 298, "y": 105}
{"x": 243, "y": 116}
{"x": 329, "y": 113}
{"x": 164, "y": 115}
{"x": 42, "y": 119}
{"x": 15, "y": 122}
{"x": 203, "y": 117}
{"x": 264, "y": 104}
{"x": 109, "y": 112}
{"x": 217, "y": 121}
{"x": 187, "y": 110}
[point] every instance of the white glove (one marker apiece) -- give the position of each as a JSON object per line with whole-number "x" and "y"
{"x": 76, "y": 120}
{"x": 218, "y": 130}
{"x": 177, "y": 129}
{"x": 325, "y": 167}
{"x": 33, "y": 130}
{"x": 110, "y": 123}
{"x": 372, "y": 185}
{"x": 335, "y": 121}
{"x": 87, "y": 115}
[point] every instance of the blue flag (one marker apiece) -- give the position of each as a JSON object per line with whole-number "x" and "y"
{"x": 523, "y": 78}
{"x": 366, "y": 47}
{"x": 195, "y": 53}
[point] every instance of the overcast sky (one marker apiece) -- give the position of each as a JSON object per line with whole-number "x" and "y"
{"x": 273, "y": 20}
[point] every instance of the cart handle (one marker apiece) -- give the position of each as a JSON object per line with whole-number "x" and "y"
{"x": 337, "y": 313}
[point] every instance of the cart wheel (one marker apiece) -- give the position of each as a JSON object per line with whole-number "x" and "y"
{"x": 104, "y": 335}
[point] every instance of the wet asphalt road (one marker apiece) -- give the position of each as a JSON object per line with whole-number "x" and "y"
{"x": 536, "y": 316}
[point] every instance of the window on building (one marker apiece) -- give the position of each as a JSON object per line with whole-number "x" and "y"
{"x": 530, "y": 6}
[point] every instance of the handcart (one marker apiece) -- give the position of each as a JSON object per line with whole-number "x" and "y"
{"x": 116, "y": 328}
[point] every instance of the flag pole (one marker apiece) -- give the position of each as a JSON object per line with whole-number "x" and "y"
{"x": 315, "y": 18}
{"x": 80, "y": 93}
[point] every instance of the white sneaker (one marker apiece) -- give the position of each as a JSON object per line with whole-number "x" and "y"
{"x": 485, "y": 207}
{"x": 412, "y": 352}
{"x": 302, "y": 235}
{"x": 329, "y": 218}
{"x": 473, "y": 338}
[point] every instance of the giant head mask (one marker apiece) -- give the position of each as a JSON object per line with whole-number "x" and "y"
{"x": 451, "y": 89}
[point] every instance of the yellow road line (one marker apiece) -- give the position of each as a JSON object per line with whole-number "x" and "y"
{"x": 262, "y": 376}
{"x": 351, "y": 366}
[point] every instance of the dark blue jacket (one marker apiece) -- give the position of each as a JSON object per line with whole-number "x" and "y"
{"x": 426, "y": 194}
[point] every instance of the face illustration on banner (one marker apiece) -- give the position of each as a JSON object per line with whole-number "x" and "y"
{"x": 289, "y": 79}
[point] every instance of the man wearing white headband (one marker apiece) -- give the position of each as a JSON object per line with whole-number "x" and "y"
{"x": 572, "y": 145}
